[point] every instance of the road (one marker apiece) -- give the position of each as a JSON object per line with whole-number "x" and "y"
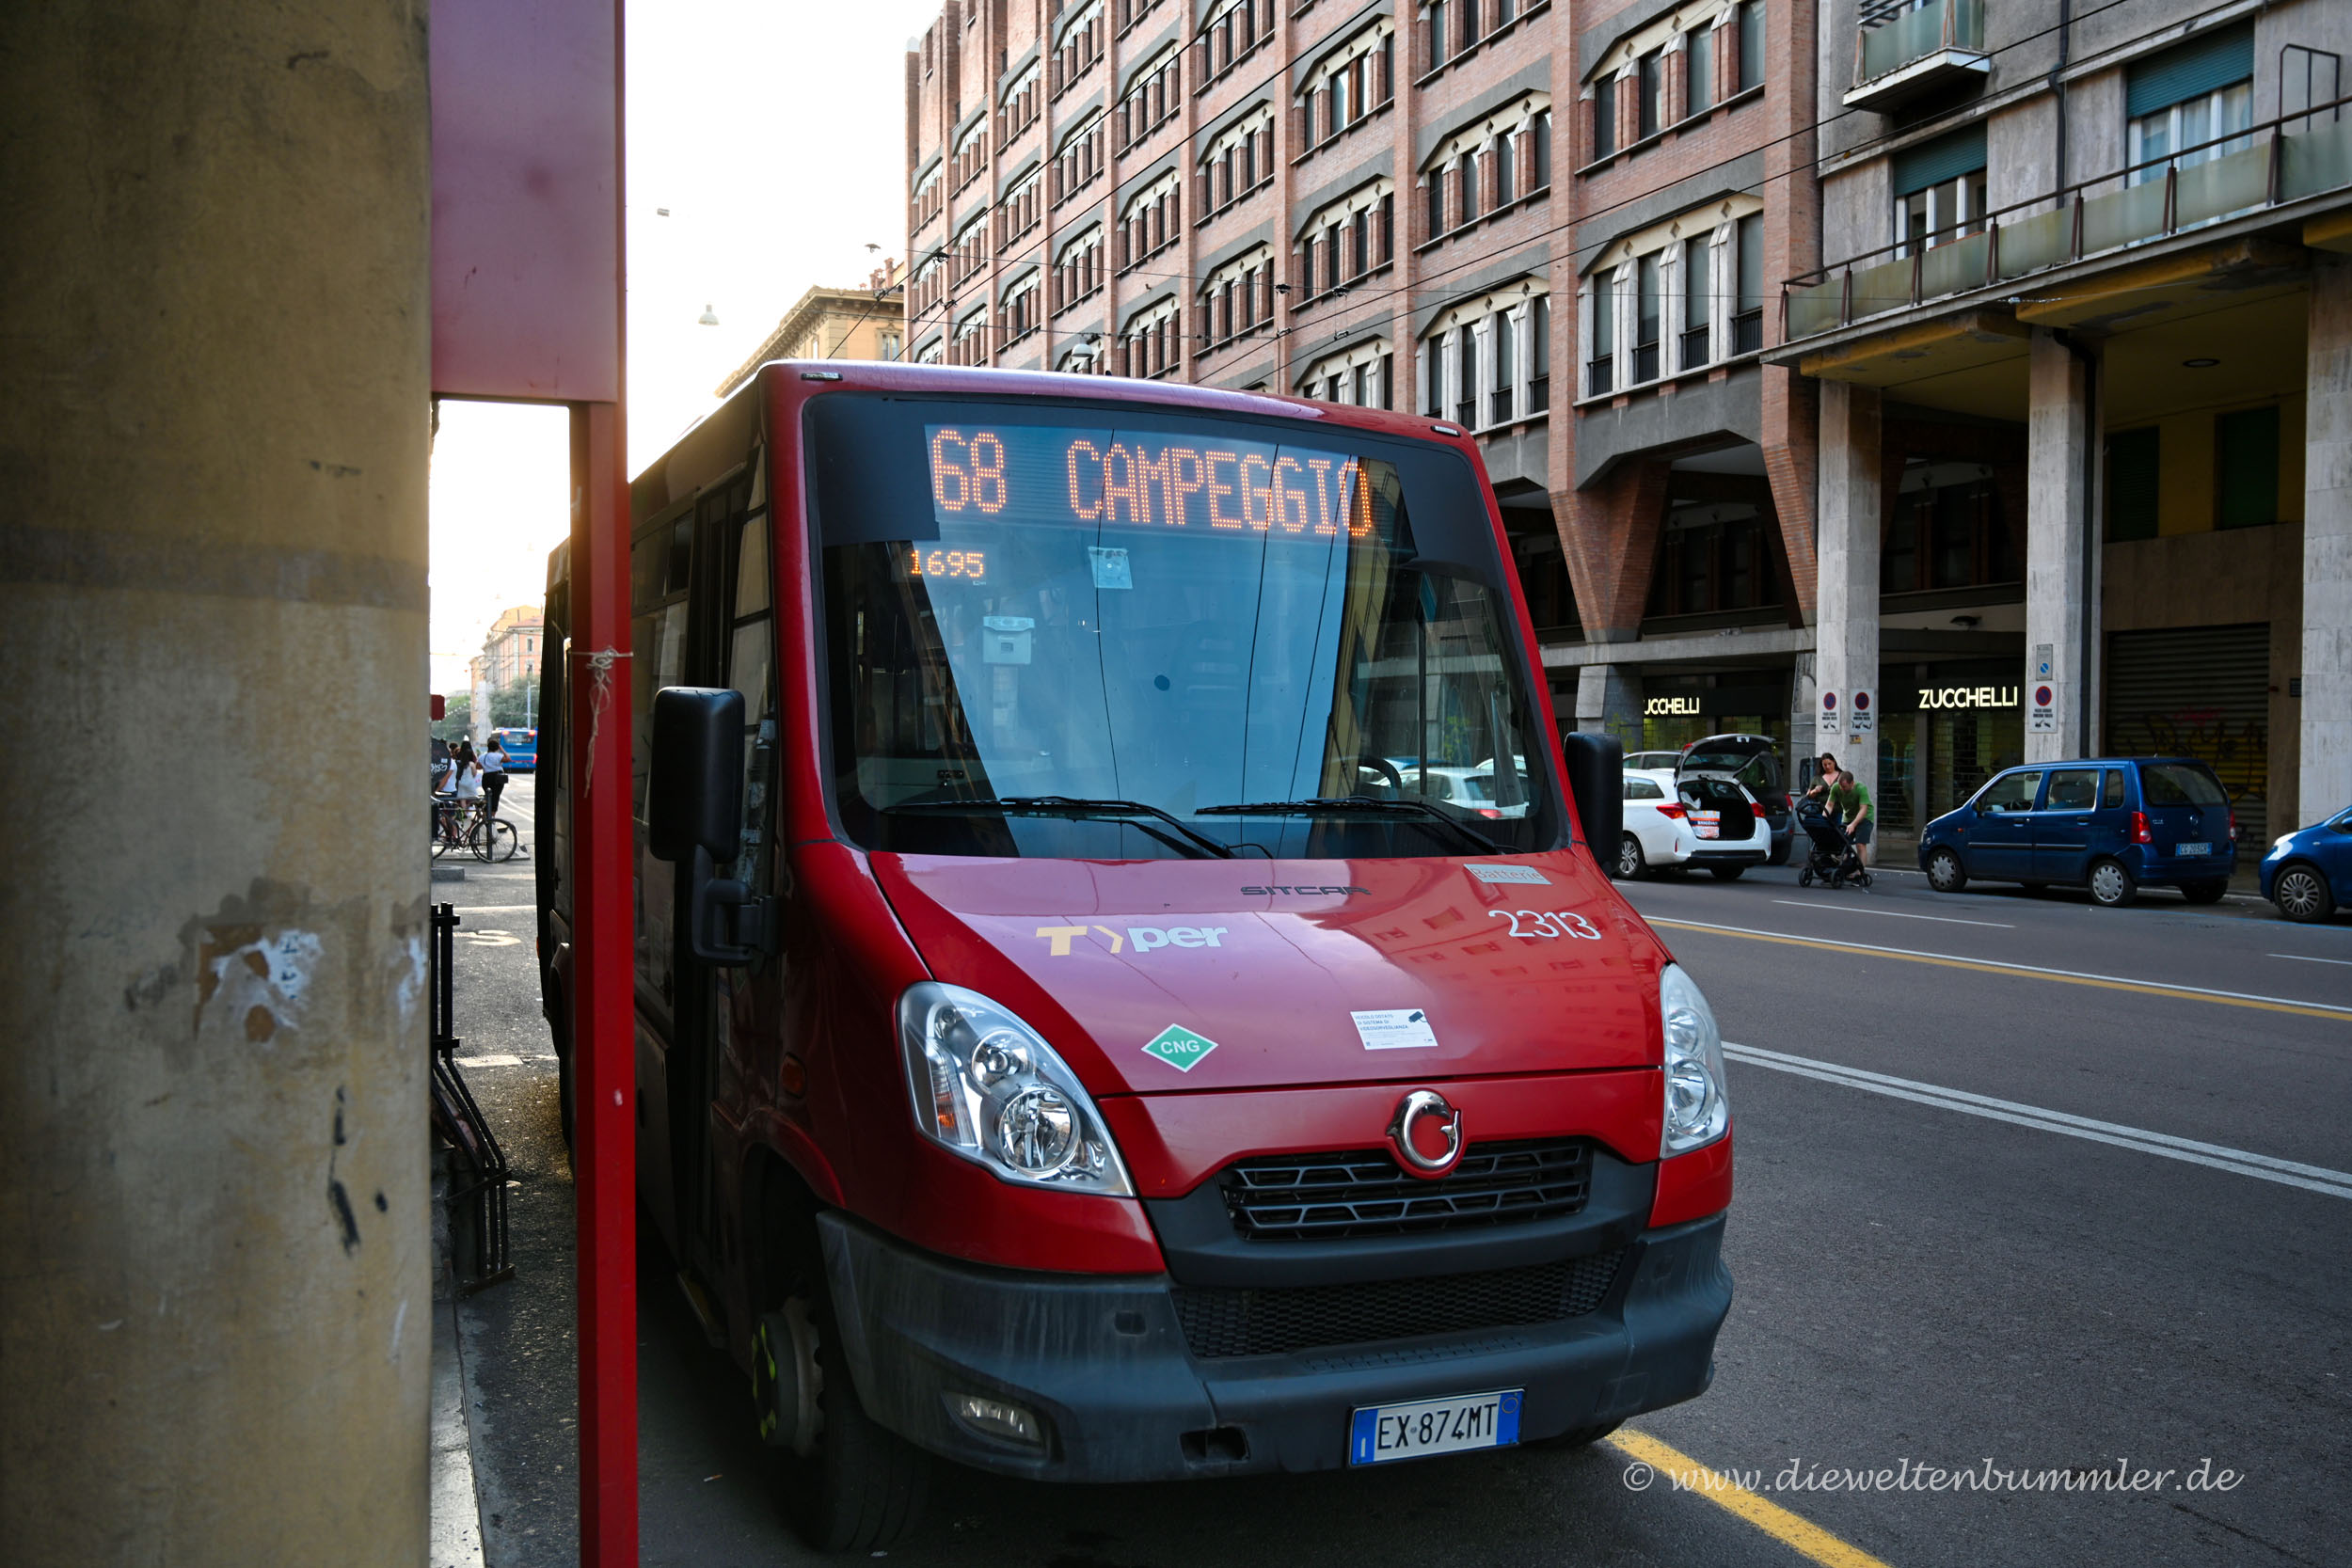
{"x": 2023, "y": 1184}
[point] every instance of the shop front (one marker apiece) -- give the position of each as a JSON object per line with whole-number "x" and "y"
{"x": 1944, "y": 729}
{"x": 1683, "y": 707}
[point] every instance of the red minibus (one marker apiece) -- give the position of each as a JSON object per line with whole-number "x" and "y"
{"x": 1081, "y": 1034}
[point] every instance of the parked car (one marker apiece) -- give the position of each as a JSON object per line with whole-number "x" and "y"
{"x": 1658, "y": 833}
{"x": 1471, "y": 789}
{"x": 2111, "y": 824}
{"x": 1728, "y": 822}
{"x": 1753, "y": 762}
{"x": 1649, "y": 762}
{"x": 2308, "y": 872}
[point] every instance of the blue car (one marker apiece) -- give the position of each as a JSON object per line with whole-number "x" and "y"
{"x": 2309, "y": 872}
{"x": 2110, "y": 824}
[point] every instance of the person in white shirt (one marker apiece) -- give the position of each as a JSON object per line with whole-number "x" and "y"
{"x": 494, "y": 774}
{"x": 466, "y": 779}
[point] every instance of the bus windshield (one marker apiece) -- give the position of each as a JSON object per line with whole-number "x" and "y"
{"x": 1098, "y": 631}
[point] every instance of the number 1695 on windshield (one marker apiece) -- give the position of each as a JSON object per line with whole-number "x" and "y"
{"x": 1380, "y": 1433}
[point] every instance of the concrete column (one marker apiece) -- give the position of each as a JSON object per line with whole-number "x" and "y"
{"x": 1846, "y": 656}
{"x": 1609, "y": 702}
{"x": 2325, "y": 774}
{"x": 2057, "y": 513}
{"x": 215, "y": 1306}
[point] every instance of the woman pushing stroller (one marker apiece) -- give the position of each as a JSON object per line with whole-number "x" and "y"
{"x": 1847, "y": 801}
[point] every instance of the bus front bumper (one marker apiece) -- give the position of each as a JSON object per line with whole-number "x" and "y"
{"x": 1102, "y": 1367}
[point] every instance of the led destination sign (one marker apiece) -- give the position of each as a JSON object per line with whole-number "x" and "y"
{"x": 1072, "y": 477}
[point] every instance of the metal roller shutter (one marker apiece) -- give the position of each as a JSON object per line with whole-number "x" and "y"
{"x": 2202, "y": 692}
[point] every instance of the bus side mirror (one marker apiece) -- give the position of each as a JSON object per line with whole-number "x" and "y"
{"x": 694, "y": 815}
{"x": 1596, "y": 768}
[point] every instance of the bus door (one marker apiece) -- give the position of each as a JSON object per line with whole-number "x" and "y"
{"x": 716, "y": 629}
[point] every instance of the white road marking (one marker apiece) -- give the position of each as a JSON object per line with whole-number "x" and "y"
{"x": 495, "y": 909}
{"x": 2022, "y": 969}
{"x": 491, "y": 1058}
{"x": 1891, "y": 915}
{"x": 2317, "y": 1179}
{"x": 2307, "y": 959}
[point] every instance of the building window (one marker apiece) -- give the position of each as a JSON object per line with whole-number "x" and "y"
{"x": 1698, "y": 303}
{"x": 1363, "y": 376}
{"x": 2200, "y": 92}
{"x": 1650, "y": 94}
{"x": 1698, "y": 70}
{"x": 1501, "y": 372}
{"x": 2246, "y": 468}
{"x": 1601, "y": 366}
{"x": 2157, "y": 136}
{"x": 1604, "y": 117}
{"x": 1466, "y": 379}
{"x": 1750, "y": 25}
{"x": 1939, "y": 191}
{"x": 1540, "y": 163}
{"x": 2135, "y": 463}
{"x": 887, "y": 345}
{"x": 1539, "y": 355}
{"x": 1646, "y": 318}
{"x": 1747, "y": 324}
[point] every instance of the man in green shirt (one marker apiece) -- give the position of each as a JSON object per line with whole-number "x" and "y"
{"x": 1847, "y": 799}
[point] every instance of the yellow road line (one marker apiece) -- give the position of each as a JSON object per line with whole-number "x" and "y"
{"x": 1801, "y": 1535}
{"x": 1994, "y": 966}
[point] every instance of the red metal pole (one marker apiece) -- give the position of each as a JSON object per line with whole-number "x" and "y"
{"x": 603, "y": 1005}
{"x": 604, "y": 1125}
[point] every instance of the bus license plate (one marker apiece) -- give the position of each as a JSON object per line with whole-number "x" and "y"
{"x": 1380, "y": 1433}
{"x": 2192, "y": 850}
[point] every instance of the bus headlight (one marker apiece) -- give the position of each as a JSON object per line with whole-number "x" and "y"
{"x": 987, "y": 1086}
{"x": 1698, "y": 1110}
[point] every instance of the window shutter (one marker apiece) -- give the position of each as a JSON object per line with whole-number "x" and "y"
{"x": 2192, "y": 71}
{"x": 1916, "y": 168}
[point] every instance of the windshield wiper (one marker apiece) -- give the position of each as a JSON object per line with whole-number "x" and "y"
{"x": 1065, "y": 805}
{"x": 1317, "y": 804}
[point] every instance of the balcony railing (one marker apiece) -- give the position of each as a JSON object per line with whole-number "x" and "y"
{"x": 1901, "y": 52}
{"x": 2263, "y": 165}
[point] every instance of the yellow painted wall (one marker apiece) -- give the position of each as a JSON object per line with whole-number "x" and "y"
{"x": 2185, "y": 472}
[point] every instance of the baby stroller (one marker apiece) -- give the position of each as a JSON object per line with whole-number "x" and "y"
{"x": 1830, "y": 856}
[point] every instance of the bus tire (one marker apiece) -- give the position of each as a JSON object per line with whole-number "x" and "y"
{"x": 864, "y": 1486}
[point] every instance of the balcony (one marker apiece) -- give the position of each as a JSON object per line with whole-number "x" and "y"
{"x": 2278, "y": 164}
{"x": 1905, "y": 51}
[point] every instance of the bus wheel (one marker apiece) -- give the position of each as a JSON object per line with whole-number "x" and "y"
{"x": 858, "y": 1487}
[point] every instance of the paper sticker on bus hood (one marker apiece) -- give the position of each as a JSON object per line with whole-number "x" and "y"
{"x": 1277, "y": 962}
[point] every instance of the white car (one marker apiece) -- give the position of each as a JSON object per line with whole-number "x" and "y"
{"x": 1649, "y": 762}
{"x": 1658, "y": 830}
{"x": 1471, "y": 789}
{"x": 1690, "y": 821}
{"x": 1733, "y": 831}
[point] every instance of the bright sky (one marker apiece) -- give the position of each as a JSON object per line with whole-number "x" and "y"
{"x": 775, "y": 131}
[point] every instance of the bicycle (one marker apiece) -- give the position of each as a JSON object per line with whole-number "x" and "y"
{"x": 465, "y": 824}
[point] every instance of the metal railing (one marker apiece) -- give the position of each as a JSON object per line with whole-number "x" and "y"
{"x": 2264, "y": 165}
{"x": 1892, "y": 40}
{"x": 458, "y": 1118}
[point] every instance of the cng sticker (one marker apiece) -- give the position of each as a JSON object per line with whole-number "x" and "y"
{"x": 1179, "y": 1047}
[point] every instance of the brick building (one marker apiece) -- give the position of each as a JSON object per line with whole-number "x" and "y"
{"x": 1414, "y": 206}
{"x": 1436, "y": 203}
